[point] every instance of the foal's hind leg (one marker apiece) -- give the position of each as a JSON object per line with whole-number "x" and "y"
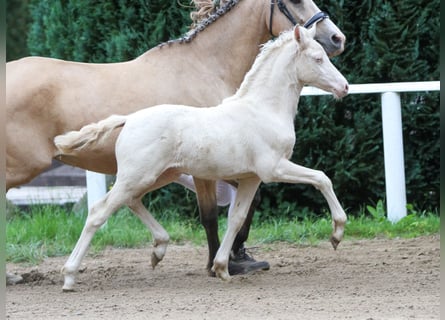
{"x": 160, "y": 236}
{"x": 97, "y": 216}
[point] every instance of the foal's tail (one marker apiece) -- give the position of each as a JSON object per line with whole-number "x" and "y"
{"x": 89, "y": 134}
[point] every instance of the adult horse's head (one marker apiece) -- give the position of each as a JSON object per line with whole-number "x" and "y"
{"x": 283, "y": 14}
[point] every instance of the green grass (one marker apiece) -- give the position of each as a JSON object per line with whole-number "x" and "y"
{"x": 53, "y": 231}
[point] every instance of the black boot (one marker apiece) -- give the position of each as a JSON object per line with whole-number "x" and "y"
{"x": 241, "y": 263}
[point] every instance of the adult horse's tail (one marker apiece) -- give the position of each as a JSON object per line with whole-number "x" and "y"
{"x": 89, "y": 134}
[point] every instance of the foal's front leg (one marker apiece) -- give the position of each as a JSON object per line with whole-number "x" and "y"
{"x": 287, "y": 171}
{"x": 244, "y": 196}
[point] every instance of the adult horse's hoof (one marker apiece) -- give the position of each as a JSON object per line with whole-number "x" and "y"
{"x": 242, "y": 263}
{"x": 210, "y": 271}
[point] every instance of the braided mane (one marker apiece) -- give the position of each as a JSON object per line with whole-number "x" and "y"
{"x": 207, "y": 12}
{"x": 204, "y": 9}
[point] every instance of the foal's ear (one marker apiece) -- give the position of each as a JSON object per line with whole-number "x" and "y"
{"x": 301, "y": 36}
{"x": 297, "y": 33}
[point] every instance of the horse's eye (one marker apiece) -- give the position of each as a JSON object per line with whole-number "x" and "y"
{"x": 295, "y": 1}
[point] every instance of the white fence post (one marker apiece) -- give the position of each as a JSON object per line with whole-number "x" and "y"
{"x": 96, "y": 187}
{"x": 393, "y": 154}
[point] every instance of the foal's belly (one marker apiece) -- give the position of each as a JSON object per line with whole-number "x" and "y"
{"x": 217, "y": 160}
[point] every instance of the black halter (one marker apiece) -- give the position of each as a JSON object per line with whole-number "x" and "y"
{"x": 320, "y": 16}
{"x": 315, "y": 18}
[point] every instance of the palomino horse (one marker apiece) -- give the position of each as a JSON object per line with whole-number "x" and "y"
{"x": 249, "y": 137}
{"x": 47, "y": 97}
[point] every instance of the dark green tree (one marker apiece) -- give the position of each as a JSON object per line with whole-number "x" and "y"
{"x": 103, "y": 31}
{"x": 17, "y": 23}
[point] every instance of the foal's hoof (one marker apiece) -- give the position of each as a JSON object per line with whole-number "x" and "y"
{"x": 68, "y": 285}
{"x": 154, "y": 260}
{"x": 67, "y": 289}
{"x": 225, "y": 276}
{"x": 334, "y": 242}
{"x": 12, "y": 279}
{"x": 222, "y": 274}
{"x": 221, "y": 270}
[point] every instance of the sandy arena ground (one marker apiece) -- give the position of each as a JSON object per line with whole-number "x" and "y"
{"x": 366, "y": 279}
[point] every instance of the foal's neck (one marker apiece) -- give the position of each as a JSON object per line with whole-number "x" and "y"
{"x": 273, "y": 81}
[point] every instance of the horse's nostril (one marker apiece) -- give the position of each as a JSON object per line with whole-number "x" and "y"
{"x": 336, "y": 39}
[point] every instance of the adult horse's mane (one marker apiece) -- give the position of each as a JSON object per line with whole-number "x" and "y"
{"x": 207, "y": 12}
{"x": 206, "y": 8}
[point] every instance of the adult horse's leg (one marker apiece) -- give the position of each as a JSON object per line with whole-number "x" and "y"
{"x": 208, "y": 213}
{"x": 245, "y": 193}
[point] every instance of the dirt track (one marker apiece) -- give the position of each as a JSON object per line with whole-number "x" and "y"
{"x": 369, "y": 279}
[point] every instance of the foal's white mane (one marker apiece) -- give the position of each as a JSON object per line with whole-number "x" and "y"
{"x": 268, "y": 50}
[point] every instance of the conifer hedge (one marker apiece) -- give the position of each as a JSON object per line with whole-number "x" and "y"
{"x": 17, "y": 23}
{"x": 103, "y": 31}
{"x": 387, "y": 41}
